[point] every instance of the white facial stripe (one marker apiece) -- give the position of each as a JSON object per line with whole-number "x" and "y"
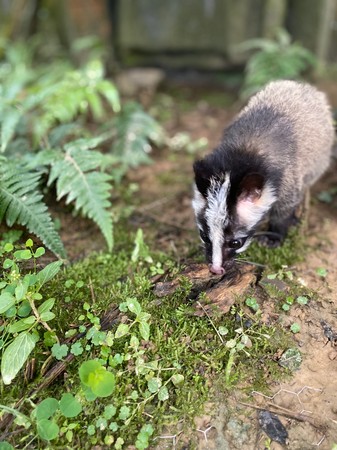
{"x": 216, "y": 216}
{"x": 198, "y": 202}
{"x": 251, "y": 212}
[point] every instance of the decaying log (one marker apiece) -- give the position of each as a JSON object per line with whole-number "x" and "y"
{"x": 221, "y": 290}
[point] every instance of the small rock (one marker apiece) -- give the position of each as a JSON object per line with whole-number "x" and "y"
{"x": 131, "y": 82}
{"x": 273, "y": 427}
{"x": 291, "y": 359}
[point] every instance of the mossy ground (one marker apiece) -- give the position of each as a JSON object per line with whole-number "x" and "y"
{"x": 179, "y": 343}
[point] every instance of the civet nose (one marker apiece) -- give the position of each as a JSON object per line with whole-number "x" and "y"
{"x": 216, "y": 270}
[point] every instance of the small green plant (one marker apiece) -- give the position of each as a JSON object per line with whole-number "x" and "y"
{"x": 282, "y": 274}
{"x": 252, "y": 303}
{"x": 23, "y": 310}
{"x": 322, "y": 272}
{"x": 275, "y": 59}
{"x": 295, "y": 328}
{"x": 327, "y": 196}
{"x": 241, "y": 342}
{"x": 290, "y": 300}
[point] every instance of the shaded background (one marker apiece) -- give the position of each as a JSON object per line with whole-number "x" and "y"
{"x": 175, "y": 34}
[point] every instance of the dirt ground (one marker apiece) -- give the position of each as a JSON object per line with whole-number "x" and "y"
{"x": 307, "y": 403}
{"x": 311, "y": 394}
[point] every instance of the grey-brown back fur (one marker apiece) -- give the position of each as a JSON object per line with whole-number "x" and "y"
{"x": 290, "y": 124}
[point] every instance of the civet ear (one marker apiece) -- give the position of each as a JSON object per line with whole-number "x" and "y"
{"x": 202, "y": 175}
{"x": 250, "y": 189}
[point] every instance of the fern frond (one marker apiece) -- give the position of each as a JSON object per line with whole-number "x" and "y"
{"x": 21, "y": 202}
{"x": 79, "y": 92}
{"x": 135, "y": 130}
{"x": 9, "y": 119}
{"x": 89, "y": 189}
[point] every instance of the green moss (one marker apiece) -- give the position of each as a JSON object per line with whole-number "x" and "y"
{"x": 290, "y": 252}
{"x": 180, "y": 344}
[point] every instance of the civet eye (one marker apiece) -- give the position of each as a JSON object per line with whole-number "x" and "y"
{"x": 236, "y": 243}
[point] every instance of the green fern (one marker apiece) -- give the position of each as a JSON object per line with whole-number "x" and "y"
{"x": 21, "y": 202}
{"x": 78, "y": 92}
{"x": 78, "y": 181}
{"x": 135, "y": 131}
{"x": 276, "y": 59}
{"x": 43, "y": 112}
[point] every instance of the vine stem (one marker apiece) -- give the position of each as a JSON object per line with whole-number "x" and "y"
{"x": 37, "y": 315}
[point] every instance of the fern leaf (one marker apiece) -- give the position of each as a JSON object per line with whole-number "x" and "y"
{"x": 89, "y": 189}
{"x": 135, "y": 130}
{"x": 21, "y": 202}
{"x": 9, "y": 118}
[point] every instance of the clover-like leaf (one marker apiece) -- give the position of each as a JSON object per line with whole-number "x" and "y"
{"x": 70, "y": 406}
{"x": 47, "y": 429}
{"x": 46, "y": 408}
{"x": 95, "y": 376}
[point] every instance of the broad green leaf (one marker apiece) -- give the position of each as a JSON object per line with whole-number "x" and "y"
{"x": 47, "y": 429}
{"x": 24, "y": 309}
{"x": 18, "y": 326}
{"x": 39, "y": 252}
{"x": 46, "y": 306}
{"x": 29, "y": 243}
{"x": 143, "y": 316}
{"x": 29, "y": 320}
{"x": 46, "y": 408}
{"x": 46, "y": 316}
{"x": 177, "y": 379}
{"x": 122, "y": 330}
{"x": 87, "y": 368}
{"x": 6, "y": 301}
{"x": 15, "y": 355}
{"x": 8, "y": 247}
{"x": 70, "y": 406}
{"x": 7, "y": 263}
{"x": 144, "y": 329}
{"x": 23, "y": 254}
{"x": 163, "y": 393}
{"x": 6, "y": 446}
{"x": 11, "y": 312}
{"x": 48, "y": 272}
{"x": 100, "y": 381}
{"x": 21, "y": 290}
{"x": 134, "y": 306}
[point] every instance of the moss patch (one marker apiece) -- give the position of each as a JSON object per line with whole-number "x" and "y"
{"x": 162, "y": 380}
